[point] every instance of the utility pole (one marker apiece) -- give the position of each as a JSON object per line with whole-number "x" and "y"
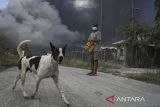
{"x": 133, "y": 9}
{"x": 101, "y": 15}
{"x": 100, "y": 26}
{"x": 132, "y": 13}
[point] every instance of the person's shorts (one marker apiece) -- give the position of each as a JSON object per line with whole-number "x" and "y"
{"x": 95, "y": 55}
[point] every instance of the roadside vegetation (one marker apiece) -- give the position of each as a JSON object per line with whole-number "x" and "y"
{"x": 147, "y": 77}
{"x": 77, "y": 64}
{"x": 107, "y": 68}
{"x": 7, "y": 58}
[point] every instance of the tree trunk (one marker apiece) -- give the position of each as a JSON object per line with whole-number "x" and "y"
{"x": 154, "y": 56}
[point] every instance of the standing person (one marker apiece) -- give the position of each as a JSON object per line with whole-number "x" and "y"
{"x": 95, "y": 37}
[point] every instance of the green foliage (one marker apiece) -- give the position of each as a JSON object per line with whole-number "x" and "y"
{"x": 137, "y": 39}
{"x": 77, "y": 64}
{"x": 136, "y": 32}
{"x": 102, "y": 68}
{"x": 116, "y": 73}
{"x": 8, "y": 59}
{"x": 147, "y": 77}
{"x": 146, "y": 34}
{"x": 3, "y": 42}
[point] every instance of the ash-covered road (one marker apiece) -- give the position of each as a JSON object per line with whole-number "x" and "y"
{"x": 80, "y": 89}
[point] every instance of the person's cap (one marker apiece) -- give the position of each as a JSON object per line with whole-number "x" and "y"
{"x": 95, "y": 25}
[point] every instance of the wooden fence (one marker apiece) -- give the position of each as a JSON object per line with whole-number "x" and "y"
{"x": 84, "y": 56}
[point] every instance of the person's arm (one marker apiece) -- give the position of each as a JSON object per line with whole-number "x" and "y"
{"x": 90, "y": 39}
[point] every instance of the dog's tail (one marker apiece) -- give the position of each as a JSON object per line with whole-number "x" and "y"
{"x": 21, "y": 46}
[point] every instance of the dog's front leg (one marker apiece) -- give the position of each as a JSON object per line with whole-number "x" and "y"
{"x": 38, "y": 80}
{"x": 23, "y": 76}
{"x": 60, "y": 89}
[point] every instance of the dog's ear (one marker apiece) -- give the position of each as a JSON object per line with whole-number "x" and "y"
{"x": 64, "y": 49}
{"x": 52, "y": 47}
{"x": 65, "y": 46}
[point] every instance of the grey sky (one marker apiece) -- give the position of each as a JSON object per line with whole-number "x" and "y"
{"x": 69, "y": 21}
{"x": 115, "y": 15}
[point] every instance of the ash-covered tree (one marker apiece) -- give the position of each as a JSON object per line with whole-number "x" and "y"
{"x": 3, "y": 41}
{"x": 139, "y": 37}
{"x": 135, "y": 36}
{"x": 157, "y": 19}
{"x": 157, "y": 7}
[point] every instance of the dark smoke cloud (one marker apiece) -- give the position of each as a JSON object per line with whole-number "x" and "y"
{"x": 58, "y": 20}
{"x": 80, "y": 19}
{"x": 36, "y": 20}
{"x": 115, "y": 15}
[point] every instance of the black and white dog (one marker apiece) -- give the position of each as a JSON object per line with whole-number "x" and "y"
{"x": 44, "y": 67}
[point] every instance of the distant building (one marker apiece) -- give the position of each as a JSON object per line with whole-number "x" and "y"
{"x": 108, "y": 53}
{"x": 145, "y": 55}
{"x": 120, "y": 55}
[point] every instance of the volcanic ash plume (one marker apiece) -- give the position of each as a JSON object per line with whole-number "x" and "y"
{"x": 36, "y": 20}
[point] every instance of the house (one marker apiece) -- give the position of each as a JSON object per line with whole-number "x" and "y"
{"x": 144, "y": 54}
{"x": 108, "y": 53}
{"x": 120, "y": 55}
